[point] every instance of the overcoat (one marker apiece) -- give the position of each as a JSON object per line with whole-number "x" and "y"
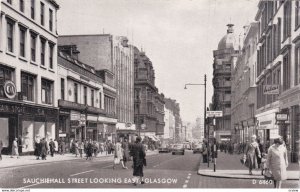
{"x": 138, "y": 156}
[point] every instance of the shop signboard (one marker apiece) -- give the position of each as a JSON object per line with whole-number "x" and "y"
{"x": 10, "y": 89}
{"x": 271, "y": 89}
{"x": 282, "y": 117}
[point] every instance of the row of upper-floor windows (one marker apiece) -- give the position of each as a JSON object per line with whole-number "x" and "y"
{"x": 19, "y": 39}
{"x": 32, "y": 9}
{"x": 88, "y": 94}
{"x": 29, "y": 88}
{"x": 270, "y": 48}
{"x": 271, "y": 7}
{"x": 110, "y": 105}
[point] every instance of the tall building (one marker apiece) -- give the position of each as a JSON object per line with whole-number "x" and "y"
{"x": 149, "y": 104}
{"x": 173, "y": 106}
{"x": 28, "y": 70}
{"x": 107, "y": 52}
{"x": 160, "y": 115}
{"x": 243, "y": 99}
{"x": 198, "y": 130}
{"x": 224, "y": 62}
{"x": 278, "y": 52}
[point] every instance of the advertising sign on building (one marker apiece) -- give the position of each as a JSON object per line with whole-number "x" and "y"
{"x": 282, "y": 117}
{"x": 271, "y": 89}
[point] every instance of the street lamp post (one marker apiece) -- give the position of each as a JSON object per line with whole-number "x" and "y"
{"x": 206, "y": 132}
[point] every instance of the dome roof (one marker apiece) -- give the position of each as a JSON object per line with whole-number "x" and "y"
{"x": 228, "y": 41}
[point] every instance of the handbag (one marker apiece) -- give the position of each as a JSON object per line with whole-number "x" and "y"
{"x": 243, "y": 159}
{"x": 268, "y": 175}
{"x": 116, "y": 160}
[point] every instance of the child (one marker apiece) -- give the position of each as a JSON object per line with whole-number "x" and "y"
{"x": 263, "y": 163}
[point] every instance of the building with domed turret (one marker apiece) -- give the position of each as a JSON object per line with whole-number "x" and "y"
{"x": 224, "y": 61}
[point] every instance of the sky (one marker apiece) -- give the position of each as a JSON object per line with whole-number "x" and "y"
{"x": 178, "y": 36}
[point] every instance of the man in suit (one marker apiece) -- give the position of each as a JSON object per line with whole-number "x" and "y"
{"x": 44, "y": 148}
{"x": 138, "y": 156}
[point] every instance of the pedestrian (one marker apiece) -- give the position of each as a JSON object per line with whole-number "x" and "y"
{"x": 1, "y": 147}
{"x": 118, "y": 155}
{"x": 261, "y": 149}
{"x": 139, "y": 161}
{"x": 277, "y": 161}
{"x": 126, "y": 156}
{"x": 14, "y": 150}
{"x": 51, "y": 147}
{"x": 71, "y": 146}
{"x": 44, "y": 149}
{"x": 37, "y": 149}
{"x": 76, "y": 150}
{"x": 101, "y": 147}
{"x": 96, "y": 148}
{"x": 252, "y": 153}
{"x": 56, "y": 146}
{"x": 80, "y": 148}
{"x": 20, "y": 145}
{"x": 62, "y": 147}
{"x": 204, "y": 153}
{"x": 89, "y": 150}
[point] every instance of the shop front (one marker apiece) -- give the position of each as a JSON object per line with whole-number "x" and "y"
{"x": 267, "y": 129}
{"x": 126, "y": 130}
{"x": 106, "y": 128}
{"x": 290, "y": 130}
{"x": 29, "y": 122}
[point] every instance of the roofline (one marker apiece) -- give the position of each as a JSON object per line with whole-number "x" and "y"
{"x": 53, "y": 2}
{"x": 85, "y": 35}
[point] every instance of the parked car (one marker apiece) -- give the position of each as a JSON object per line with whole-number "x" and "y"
{"x": 178, "y": 149}
{"x": 187, "y": 145}
{"x": 197, "y": 148}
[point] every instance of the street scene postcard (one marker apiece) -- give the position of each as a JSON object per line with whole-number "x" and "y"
{"x": 149, "y": 94}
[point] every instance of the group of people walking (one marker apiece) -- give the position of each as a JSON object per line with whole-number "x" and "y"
{"x": 276, "y": 160}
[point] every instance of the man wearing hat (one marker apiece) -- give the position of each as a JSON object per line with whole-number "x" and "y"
{"x": 138, "y": 156}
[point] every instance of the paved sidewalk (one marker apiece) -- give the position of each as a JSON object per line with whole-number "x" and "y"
{"x": 229, "y": 166}
{"x": 8, "y": 162}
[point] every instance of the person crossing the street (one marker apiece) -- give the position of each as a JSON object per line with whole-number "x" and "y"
{"x": 139, "y": 161}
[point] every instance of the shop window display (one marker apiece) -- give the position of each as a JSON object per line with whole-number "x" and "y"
{"x": 4, "y": 131}
{"x": 39, "y": 130}
{"x": 27, "y": 136}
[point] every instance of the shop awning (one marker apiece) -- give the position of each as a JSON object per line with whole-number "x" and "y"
{"x": 153, "y": 138}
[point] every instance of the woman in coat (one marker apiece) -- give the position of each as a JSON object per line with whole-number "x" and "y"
{"x": 252, "y": 154}
{"x": 37, "y": 149}
{"x": 89, "y": 150}
{"x": 126, "y": 156}
{"x": 44, "y": 149}
{"x": 76, "y": 148}
{"x": 277, "y": 161}
{"x": 138, "y": 155}
{"x": 118, "y": 153}
{"x": 14, "y": 150}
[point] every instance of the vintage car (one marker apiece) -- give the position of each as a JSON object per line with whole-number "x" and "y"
{"x": 178, "y": 149}
{"x": 197, "y": 148}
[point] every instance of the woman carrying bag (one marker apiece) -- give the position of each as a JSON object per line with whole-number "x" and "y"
{"x": 252, "y": 154}
{"x": 118, "y": 155}
{"x": 277, "y": 162}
